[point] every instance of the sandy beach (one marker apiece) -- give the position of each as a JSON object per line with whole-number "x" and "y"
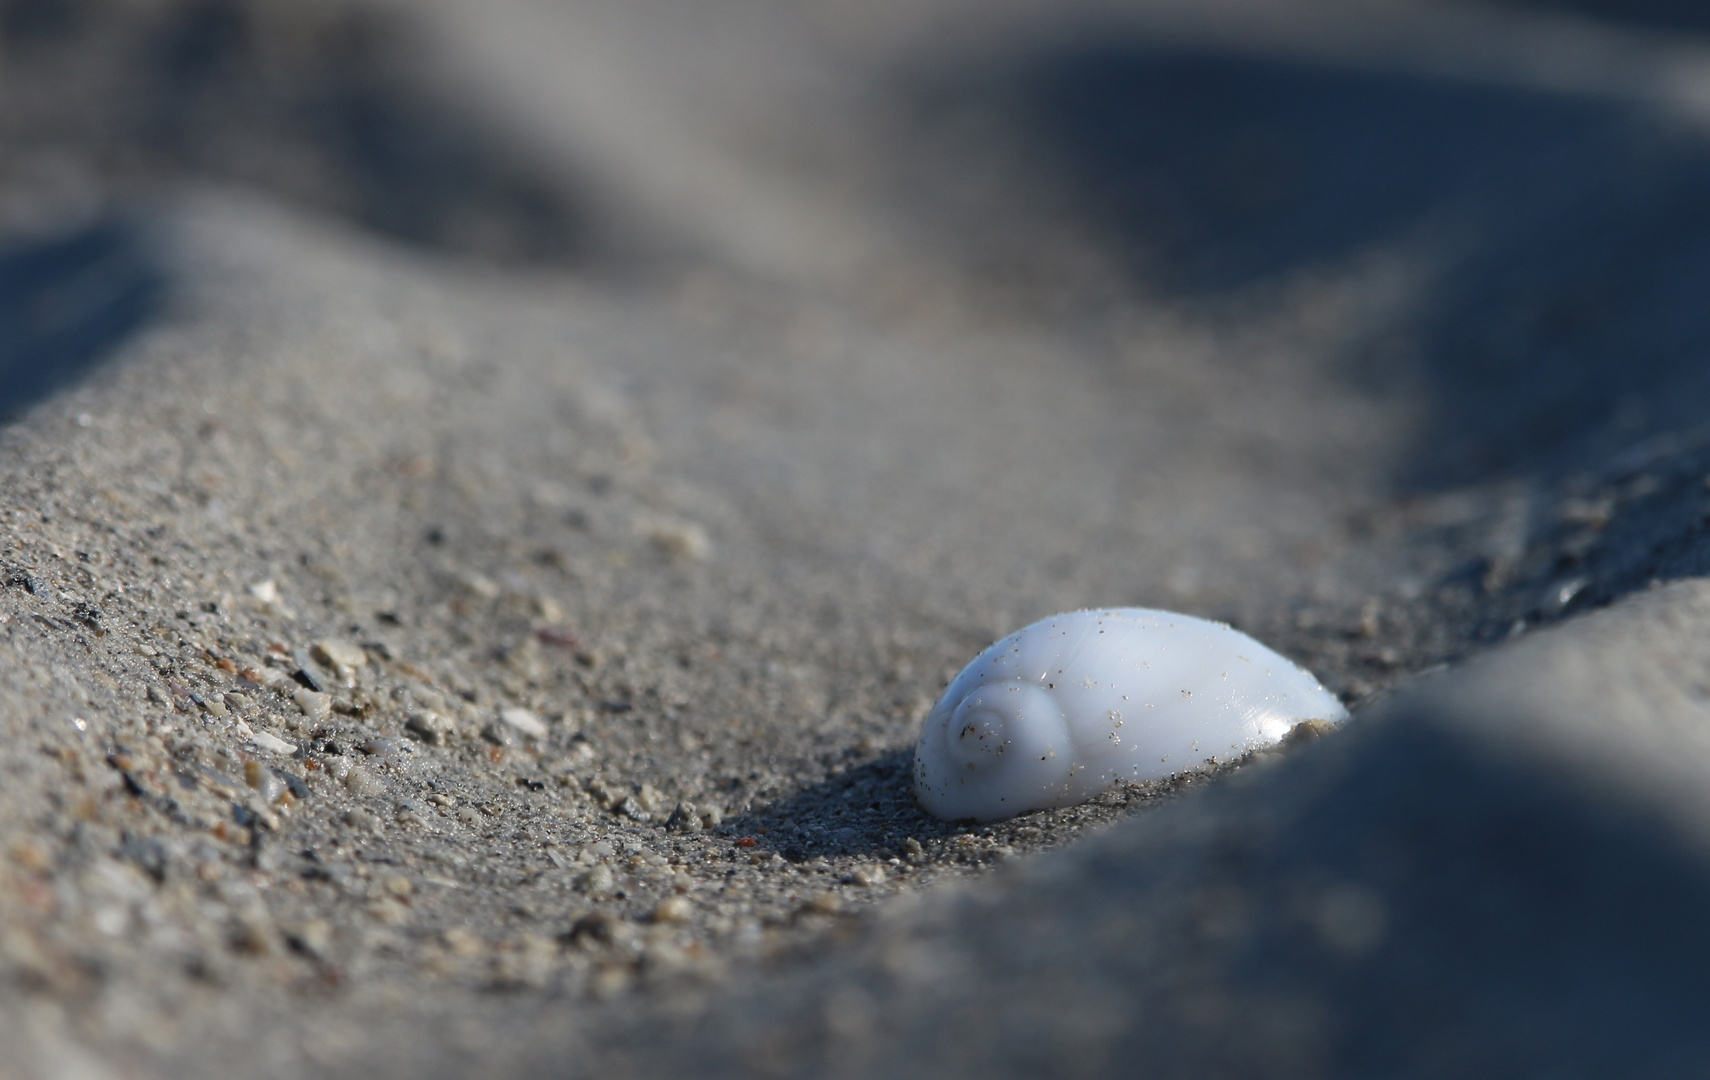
{"x": 490, "y": 492}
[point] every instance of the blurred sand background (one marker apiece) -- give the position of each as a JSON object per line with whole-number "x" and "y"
{"x": 629, "y": 415}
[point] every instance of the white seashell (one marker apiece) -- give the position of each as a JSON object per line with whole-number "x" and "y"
{"x": 1072, "y": 705}
{"x": 524, "y": 721}
{"x": 272, "y": 743}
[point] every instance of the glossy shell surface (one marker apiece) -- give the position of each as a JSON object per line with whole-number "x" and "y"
{"x": 1064, "y": 709}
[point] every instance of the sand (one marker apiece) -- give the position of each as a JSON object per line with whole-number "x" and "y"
{"x": 492, "y": 489}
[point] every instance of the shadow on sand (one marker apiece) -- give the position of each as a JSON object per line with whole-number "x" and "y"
{"x": 868, "y": 811}
{"x": 331, "y": 105}
{"x": 1574, "y": 233}
{"x": 1656, "y": 14}
{"x": 66, "y": 303}
{"x": 327, "y": 106}
{"x": 865, "y": 810}
{"x": 1563, "y": 244}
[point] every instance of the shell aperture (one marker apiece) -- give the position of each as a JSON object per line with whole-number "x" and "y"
{"x": 1072, "y": 705}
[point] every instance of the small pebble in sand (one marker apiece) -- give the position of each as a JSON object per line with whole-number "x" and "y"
{"x": 435, "y": 729}
{"x": 868, "y": 874}
{"x": 680, "y": 541}
{"x": 366, "y": 820}
{"x": 381, "y": 748}
{"x": 272, "y": 678}
{"x": 315, "y": 706}
{"x": 824, "y": 903}
{"x": 524, "y": 721}
{"x": 266, "y": 784}
{"x": 389, "y": 911}
{"x": 362, "y": 782}
{"x": 340, "y": 656}
{"x": 685, "y": 818}
{"x": 32, "y": 856}
{"x": 672, "y": 909}
{"x": 313, "y": 938}
{"x": 597, "y": 881}
{"x": 273, "y": 744}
